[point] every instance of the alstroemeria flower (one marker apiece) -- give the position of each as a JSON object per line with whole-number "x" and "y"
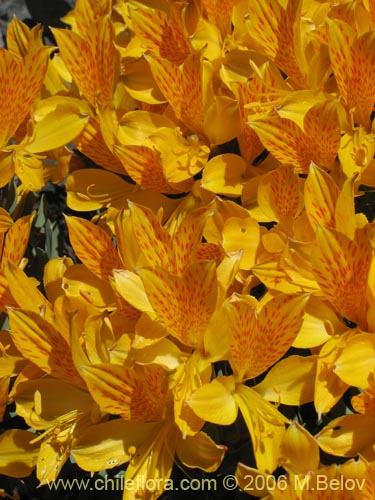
{"x": 282, "y": 36}
{"x": 317, "y": 140}
{"x": 160, "y": 30}
{"x": 14, "y": 237}
{"x": 255, "y": 342}
{"x": 353, "y": 63}
{"x": 94, "y": 74}
{"x": 146, "y": 436}
{"x": 20, "y": 83}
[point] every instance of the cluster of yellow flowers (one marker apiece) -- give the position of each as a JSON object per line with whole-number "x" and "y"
{"x": 231, "y": 138}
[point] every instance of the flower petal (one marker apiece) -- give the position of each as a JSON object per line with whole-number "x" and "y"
{"x": 93, "y": 246}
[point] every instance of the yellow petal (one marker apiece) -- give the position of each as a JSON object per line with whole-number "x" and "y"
{"x": 41, "y": 343}
{"x": 225, "y": 174}
{"x": 356, "y": 361}
{"x": 131, "y": 288}
{"x": 341, "y": 268}
{"x": 110, "y": 444}
{"x": 347, "y": 436}
{"x": 104, "y": 189}
{"x": 242, "y": 234}
{"x": 214, "y": 402}
{"x": 321, "y": 194}
{"x": 319, "y": 321}
{"x": 328, "y": 386}
{"x": 93, "y": 246}
{"x": 51, "y": 459}
{"x": 252, "y": 481}
{"x": 78, "y": 281}
{"x": 94, "y": 73}
{"x": 257, "y": 343}
{"x": 183, "y": 305}
{"x": 18, "y": 457}
{"x": 299, "y": 450}
{"x": 291, "y": 381}
{"x": 200, "y": 451}
{"x": 134, "y": 394}
{"x": 43, "y": 401}
{"x": 57, "y": 128}
{"x": 265, "y": 424}
{"x": 52, "y": 277}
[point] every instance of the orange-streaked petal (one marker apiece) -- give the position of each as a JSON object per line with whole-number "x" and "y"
{"x": 41, "y": 343}
{"x": 91, "y": 143}
{"x": 273, "y": 27}
{"x": 93, "y": 246}
{"x": 19, "y": 87}
{"x": 182, "y": 88}
{"x": 133, "y": 393}
{"x": 257, "y": 341}
{"x": 91, "y": 60}
{"x": 321, "y": 193}
{"x": 87, "y": 11}
{"x": 161, "y": 32}
{"x": 279, "y": 194}
{"x": 24, "y": 290}
{"x": 183, "y": 305}
{"x": 153, "y": 240}
{"x": 17, "y": 238}
{"x": 143, "y": 164}
{"x": 341, "y": 268}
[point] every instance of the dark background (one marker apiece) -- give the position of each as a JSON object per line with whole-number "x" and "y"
{"x": 46, "y": 12}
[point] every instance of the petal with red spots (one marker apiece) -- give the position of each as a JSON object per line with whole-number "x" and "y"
{"x": 183, "y": 304}
{"x": 154, "y": 241}
{"x": 92, "y": 145}
{"x": 257, "y": 341}
{"x": 274, "y": 28}
{"x": 40, "y": 342}
{"x": 17, "y": 238}
{"x": 182, "y": 88}
{"x": 219, "y": 12}
{"x": 88, "y": 11}
{"x": 19, "y": 85}
{"x": 93, "y": 247}
{"x": 137, "y": 393}
{"x": 161, "y": 32}
{"x": 279, "y": 195}
{"x": 144, "y": 166}
{"x": 188, "y": 238}
{"x": 341, "y": 268}
{"x": 91, "y": 61}
{"x": 321, "y": 193}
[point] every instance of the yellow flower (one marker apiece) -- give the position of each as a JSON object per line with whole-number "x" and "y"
{"x": 255, "y": 343}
